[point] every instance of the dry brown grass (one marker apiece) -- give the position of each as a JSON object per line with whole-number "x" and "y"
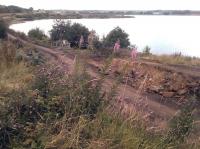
{"x": 174, "y": 59}
{"x": 14, "y": 77}
{"x": 13, "y": 74}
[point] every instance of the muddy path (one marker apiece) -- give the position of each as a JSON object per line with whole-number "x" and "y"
{"x": 129, "y": 101}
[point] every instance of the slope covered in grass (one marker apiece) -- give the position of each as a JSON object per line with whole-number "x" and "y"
{"x": 45, "y": 107}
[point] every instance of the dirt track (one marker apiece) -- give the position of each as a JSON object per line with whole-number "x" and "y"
{"x": 192, "y": 71}
{"x": 130, "y": 100}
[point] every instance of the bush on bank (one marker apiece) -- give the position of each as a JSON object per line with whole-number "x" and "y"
{"x": 36, "y": 34}
{"x": 3, "y": 29}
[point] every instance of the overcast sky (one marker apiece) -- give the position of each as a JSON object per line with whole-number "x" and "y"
{"x": 106, "y": 4}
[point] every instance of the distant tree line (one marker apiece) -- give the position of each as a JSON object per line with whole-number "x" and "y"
{"x": 32, "y": 16}
{"x": 14, "y": 9}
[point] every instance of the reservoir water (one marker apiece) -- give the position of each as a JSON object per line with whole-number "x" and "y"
{"x": 163, "y": 34}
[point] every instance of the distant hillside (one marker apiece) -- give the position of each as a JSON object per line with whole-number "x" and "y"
{"x": 13, "y": 9}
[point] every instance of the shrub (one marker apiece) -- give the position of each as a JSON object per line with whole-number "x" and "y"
{"x": 103, "y": 52}
{"x": 181, "y": 124}
{"x": 80, "y": 96}
{"x": 147, "y": 50}
{"x": 71, "y": 32}
{"x": 59, "y": 29}
{"x": 53, "y": 97}
{"x": 37, "y": 34}
{"x": 97, "y": 43}
{"x": 114, "y": 35}
{"x": 22, "y": 35}
{"x": 76, "y": 31}
{"x": 3, "y": 30}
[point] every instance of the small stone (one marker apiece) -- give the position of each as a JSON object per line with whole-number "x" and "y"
{"x": 50, "y": 147}
{"x": 106, "y": 73}
{"x": 28, "y": 142}
{"x": 155, "y": 89}
{"x": 117, "y": 72}
{"x": 182, "y": 92}
{"x": 175, "y": 87}
{"x": 168, "y": 94}
{"x": 193, "y": 84}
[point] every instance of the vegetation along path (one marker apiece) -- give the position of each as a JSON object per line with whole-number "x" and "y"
{"x": 130, "y": 100}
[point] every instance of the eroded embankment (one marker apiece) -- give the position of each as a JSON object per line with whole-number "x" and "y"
{"x": 172, "y": 86}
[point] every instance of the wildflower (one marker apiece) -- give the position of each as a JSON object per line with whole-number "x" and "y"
{"x": 117, "y": 46}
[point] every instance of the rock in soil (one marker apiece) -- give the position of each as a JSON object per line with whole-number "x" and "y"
{"x": 168, "y": 94}
{"x": 182, "y": 92}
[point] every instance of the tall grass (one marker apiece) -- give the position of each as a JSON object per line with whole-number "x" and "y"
{"x": 7, "y": 53}
{"x": 13, "y": 74}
